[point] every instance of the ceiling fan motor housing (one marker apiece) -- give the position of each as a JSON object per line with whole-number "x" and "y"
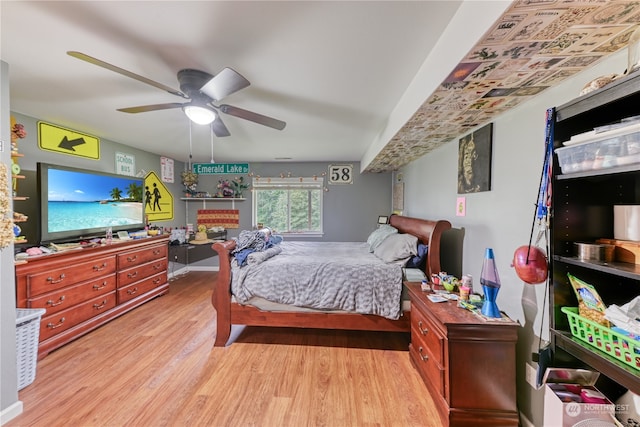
{"x": 191, "y": 81}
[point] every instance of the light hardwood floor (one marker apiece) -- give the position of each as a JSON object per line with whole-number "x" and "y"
{"x": 156, "y": 366}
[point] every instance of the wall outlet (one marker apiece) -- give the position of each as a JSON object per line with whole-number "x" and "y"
{"x": 531, "y": 375}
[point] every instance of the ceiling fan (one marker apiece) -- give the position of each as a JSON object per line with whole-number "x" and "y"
{"x": 201, "y": 89}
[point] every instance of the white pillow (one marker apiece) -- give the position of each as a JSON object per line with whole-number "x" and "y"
{"x": 379, "y": 235}
{"x": 397, "y": 248}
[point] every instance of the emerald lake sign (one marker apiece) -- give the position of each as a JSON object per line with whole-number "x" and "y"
{"x": 220, "y": 168}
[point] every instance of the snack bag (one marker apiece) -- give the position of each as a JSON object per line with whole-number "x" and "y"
{"x": 590, "y": 304}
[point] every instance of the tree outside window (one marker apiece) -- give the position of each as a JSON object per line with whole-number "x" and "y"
{"x": 289, "y": 205}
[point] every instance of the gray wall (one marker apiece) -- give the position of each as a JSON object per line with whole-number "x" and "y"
{"x": 144, "y": 161}
{"x": 350, "y": 211}
{"x": 9, "y": 404}
{"x": 502, "y": 218}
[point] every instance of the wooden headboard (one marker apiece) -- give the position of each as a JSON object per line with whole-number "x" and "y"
{"x": 428, "y": 232}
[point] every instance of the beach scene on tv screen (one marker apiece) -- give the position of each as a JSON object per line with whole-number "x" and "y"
{"x": 82, "y": 201}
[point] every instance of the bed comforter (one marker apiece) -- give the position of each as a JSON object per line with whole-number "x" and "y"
{"x": 323, "y": 275}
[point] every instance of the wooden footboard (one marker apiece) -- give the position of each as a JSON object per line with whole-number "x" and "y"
{"x": 228, "y": 312}
{"x": 221, "y": 296}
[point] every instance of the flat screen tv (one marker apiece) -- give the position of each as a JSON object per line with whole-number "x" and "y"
{"x": 78, "y": 204}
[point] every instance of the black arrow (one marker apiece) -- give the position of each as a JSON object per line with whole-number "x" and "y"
{"x": 69, "y": 144}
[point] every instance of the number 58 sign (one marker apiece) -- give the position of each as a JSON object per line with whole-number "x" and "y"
{"x": 340, "y": 174}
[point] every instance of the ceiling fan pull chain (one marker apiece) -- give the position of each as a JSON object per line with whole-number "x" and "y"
{"x": 190, "y": 145}
{"x": 211, "y": 129}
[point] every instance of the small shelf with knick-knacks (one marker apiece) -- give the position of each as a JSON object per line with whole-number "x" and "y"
{"x": 17, "y": 132}
{"x": 204, "y": 200}
{"x": 216, "y": 199}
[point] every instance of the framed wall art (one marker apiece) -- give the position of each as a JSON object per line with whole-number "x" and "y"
{"x": 474, "y": 161}
{"x": 398, "y": 197}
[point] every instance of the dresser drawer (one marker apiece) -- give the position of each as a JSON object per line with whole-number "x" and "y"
{"x": 130, "y": 259}
{"x": 129, "y": 292}
{"x": 68, "y": 297}
{"x": 423, "y": 329}
{"x": 137, "y": 273}
{"x": 67, "y": 275}
{"x": 429, "y": 369}
{"x": 58, "y": 322}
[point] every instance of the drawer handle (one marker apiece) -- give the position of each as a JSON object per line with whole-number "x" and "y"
{"x": 50, "y": 303}
{"x": 98, "y": 287}
{"x": 132, "y": 258}
{"x": 156, "y": 251}
{"x": 157, "y": 267}
{"x": 156, "y": 281}
{"x": 422, "y": 330}
{"x": 54, "y": 281}
{"x": 132, "y": 291}
{"x": 100, "y": 306}
{"x": 424, "y": 357}
{"x": 100, "y": 267}
{"x": 52, "y": 326}
{"x": 132, "y": 275}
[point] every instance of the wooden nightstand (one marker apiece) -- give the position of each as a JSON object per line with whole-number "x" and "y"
{"x": 467, "y": 363}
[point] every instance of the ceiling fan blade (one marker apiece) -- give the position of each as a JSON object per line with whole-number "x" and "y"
{"x": 251, "y": 116}
{"x": 219, "y": 128}
{"x": 100, "y": 63}
{"x": 224, "y": 84}
{"x": 155, "y": 107}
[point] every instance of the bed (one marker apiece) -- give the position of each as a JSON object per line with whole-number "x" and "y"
{"x": 230, "y": 312}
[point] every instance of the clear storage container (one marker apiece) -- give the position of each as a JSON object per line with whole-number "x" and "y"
{"x": 593, "y": 151}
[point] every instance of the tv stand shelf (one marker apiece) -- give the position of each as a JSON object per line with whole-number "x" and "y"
{"x": 82, "y": 289}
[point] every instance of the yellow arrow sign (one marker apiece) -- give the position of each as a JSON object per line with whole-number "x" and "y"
{"x": 67, "y": 141}
{"x": 158, "y": 201}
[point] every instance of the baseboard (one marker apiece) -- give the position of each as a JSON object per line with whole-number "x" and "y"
{"x": 203, "y": 268}
{"x": 187, "y": 268}
{"x": 10, "y": 412}
{"x": 524, "y": 421}
{"x": 172, "y": 274}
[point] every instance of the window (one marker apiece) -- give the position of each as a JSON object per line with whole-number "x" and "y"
{"x": 289, "y": 205}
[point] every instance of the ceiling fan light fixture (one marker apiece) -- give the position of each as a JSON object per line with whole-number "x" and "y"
{"x": 199, "y": 115}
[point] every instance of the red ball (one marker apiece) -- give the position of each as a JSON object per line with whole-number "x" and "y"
{"x": 535, "y": 269}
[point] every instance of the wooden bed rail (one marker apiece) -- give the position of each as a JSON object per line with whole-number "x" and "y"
{"x": 428, "y": 232}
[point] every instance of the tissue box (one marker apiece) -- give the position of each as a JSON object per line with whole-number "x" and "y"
{"x": 570, "y": 399}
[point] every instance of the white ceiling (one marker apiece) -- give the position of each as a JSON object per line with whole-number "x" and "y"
{"x": 380, "y": 82}
{"x": 333, "y": 70}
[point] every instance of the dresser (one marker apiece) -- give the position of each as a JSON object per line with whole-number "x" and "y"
{"x": 467, "y": 363}
{"x": 82, "y": 289}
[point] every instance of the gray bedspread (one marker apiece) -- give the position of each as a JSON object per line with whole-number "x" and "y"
{"x": 323, "y": 275}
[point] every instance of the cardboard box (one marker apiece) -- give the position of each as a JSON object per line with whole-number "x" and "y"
{"x": 625, "y": 250}
{"x": 571, "y": 400}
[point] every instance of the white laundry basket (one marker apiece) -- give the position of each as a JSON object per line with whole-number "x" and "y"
{"x": 27, "y": 335}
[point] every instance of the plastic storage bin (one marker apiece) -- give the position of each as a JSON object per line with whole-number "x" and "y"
{"x": 622, "y": 347}
{"x": 594, "y": 151}
{"x": 27, "y": 335}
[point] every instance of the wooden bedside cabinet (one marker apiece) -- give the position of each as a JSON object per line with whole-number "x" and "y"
{"x": 467, "y": 363}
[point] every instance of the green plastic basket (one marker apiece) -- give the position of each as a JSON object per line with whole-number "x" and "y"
{"x": 619, "y": 346}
